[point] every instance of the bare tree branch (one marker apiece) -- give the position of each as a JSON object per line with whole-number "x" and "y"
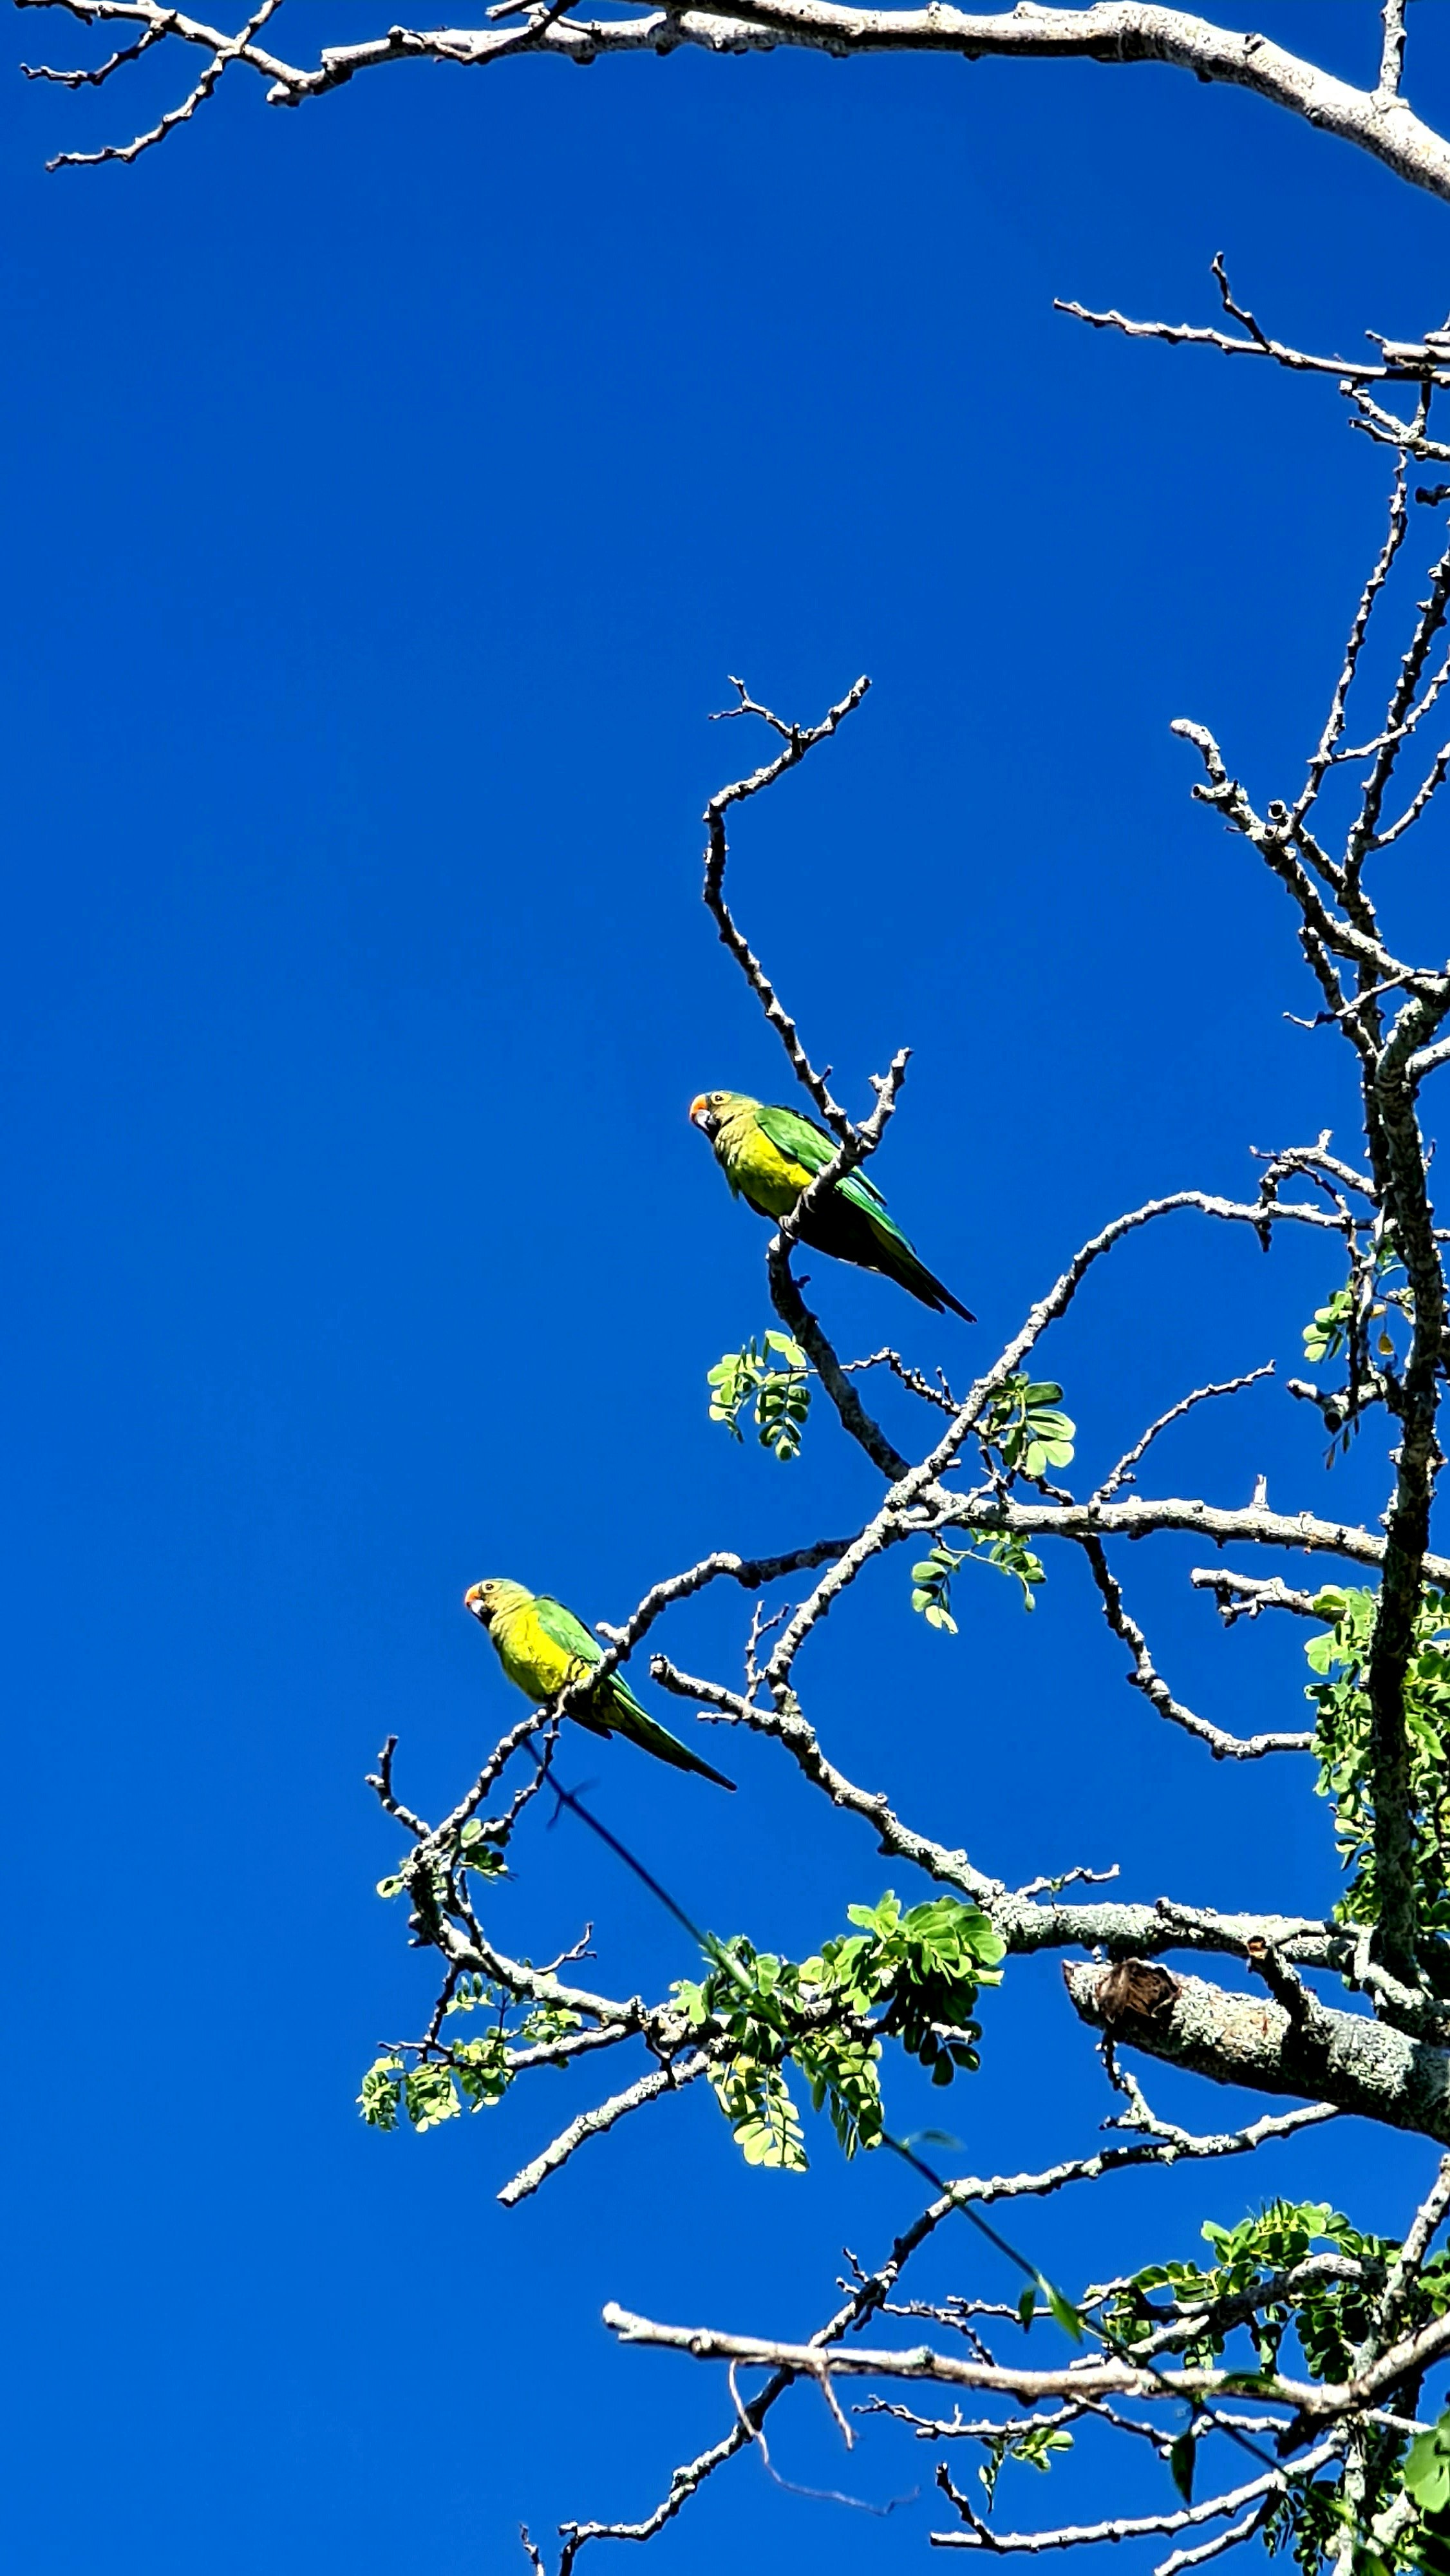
{"x": 593, "y": 2124}
{"x": 1146, "y": 1678}
{"x": 1123, "y": 1472}
{"x": 1376, "y": 121}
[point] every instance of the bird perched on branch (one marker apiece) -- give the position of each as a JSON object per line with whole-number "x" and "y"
{"x": 542, "y": 1646}
{"x": 769, "y": 1155}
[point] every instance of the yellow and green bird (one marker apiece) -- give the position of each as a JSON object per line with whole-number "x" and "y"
{"x": 541, "y": 1646}
{"x": 769, "y": 1154}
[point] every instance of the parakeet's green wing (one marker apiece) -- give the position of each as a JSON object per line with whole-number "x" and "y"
{"x": 561, "y": 1626}
{"x": 620, "y": 1712}
{"x": 806, "y": 1143}
{"x": 798, "y": 1137}
{"x": 570, "y": 1633}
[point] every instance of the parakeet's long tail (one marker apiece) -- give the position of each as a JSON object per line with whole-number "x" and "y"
{"x": 628, "y": 1718}
{"x": 920, "y": 1282}
{"x": 847, "y": 1233}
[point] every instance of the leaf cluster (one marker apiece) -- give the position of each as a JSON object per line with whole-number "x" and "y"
{"x": 1024, "y": 1431}
{"x": 1034, "y": 2447}
{"x": 1348, "y": 1315}
{"x": 772, "y": 1380}
{"x": 1248, "y": 2288}
{"x": 474, "y": 1851}
{"x": 1244, "y": 2288}
{"x": 1342, "y": 1742}
{"x": 931, "y": 1579}
{"x": 912, "y": 1976}
{"x": 475, "y": 2072}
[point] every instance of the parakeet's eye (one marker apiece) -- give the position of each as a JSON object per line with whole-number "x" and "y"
{"x": 717, "y": 1099}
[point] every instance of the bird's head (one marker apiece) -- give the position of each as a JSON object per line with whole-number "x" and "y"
{"x": 709, "y": 1109}
{"x": 487, "y": 1600}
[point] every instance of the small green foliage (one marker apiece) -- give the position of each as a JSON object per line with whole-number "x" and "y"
{"x": 1071, "y": 2319}
{"x": 429, "y": 2097}
{"x": 756, "y": 2101}
{"x": 546, "y": 2023}
{"x": 1330, "y": 2317}
{"x": 1034, "y": 2448}
{"x": 931, "y": 1579}
{"x": 756, "y": 2012}
{"x": 479, "y": 1855}
{"x": 473, "y": 1994}
{"x": 1011, "y": 1554}
{"x": 390, "y": 1887}
{"x": 773, "y": 1379}
{"x": 482, "y": 2069}
{"x": 931, "y": 1585}
{"x": 1334, "y": 1322}
{"x": 429, "y": 2092}
{"x": 1342, "y": 1742}
{"x": 1427, "y": 2468}
{"x": 1025, "y": 1428}
{"x": 382, "y": 2092}
{"x": 1248, "y": 2290}
{"x": 1180, "y": 2465}
{"x": 1328, "y": 1335}
{"x": 434, "y": 2089}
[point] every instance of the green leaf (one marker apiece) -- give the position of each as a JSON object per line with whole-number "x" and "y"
{"x": 390, "y": 1886}
{"x": 382, "y": 2092}
{"x": 429, "y": 2097}
{"x": 1343, "y": 1743}
{"x": 769, "y": 1379}
{"x": 1067, "y": 2316}
{"x": 1181, "y": 2460}
{"x": 1427, "y": 2468}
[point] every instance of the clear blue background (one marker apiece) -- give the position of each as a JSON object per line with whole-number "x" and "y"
{"x": 388, "y": 489}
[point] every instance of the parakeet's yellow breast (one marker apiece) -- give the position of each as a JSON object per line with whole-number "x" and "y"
{"x": 770, "y": 1180}
{"x": 534, "y": 1662}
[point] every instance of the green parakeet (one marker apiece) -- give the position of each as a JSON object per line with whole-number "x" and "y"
{"x": 541, "y": 1646}
{"x": 768, "y": 1155}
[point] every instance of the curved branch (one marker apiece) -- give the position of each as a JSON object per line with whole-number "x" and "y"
{"x": 1139, "y": 1516}
{"x": 1146, "y": 1677}
{"x": 593, "y": 2124}
{"x": 1375, "y": 120}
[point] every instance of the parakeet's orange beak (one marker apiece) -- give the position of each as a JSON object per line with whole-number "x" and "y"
{"x": 698, "y": 1107}
{"x": 473, "y": 1600}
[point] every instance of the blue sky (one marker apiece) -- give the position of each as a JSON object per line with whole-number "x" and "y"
{"x": 388, "y": 490}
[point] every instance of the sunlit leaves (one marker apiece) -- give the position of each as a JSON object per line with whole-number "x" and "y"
{"x": 482, "y": 2070}
{"x": 1330, "y": 2316}
{"x": 1034, "y": 2448}
{"x": 1328, "y": 1334}
{"x": 1427, "y": 2468}
{"x": 772, "y": 1381}
{"x": 931, "y": 1578}
{"x": 1026, "y": 1429}
{"x": 1342, "y": 1741}
{"x": 478, "y": 1854}
{"x": 1265, "y": 2284}
{"x": 382, "y": 2092}
{"x": 425, "y": 2094}
{"x": 931, "y": 1583}
{"x": 911, "y": 1976}
{"x": 436, "y": 2087}
{"x": 756, "y": 2100}
{"x": 1357, "y": 1308}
